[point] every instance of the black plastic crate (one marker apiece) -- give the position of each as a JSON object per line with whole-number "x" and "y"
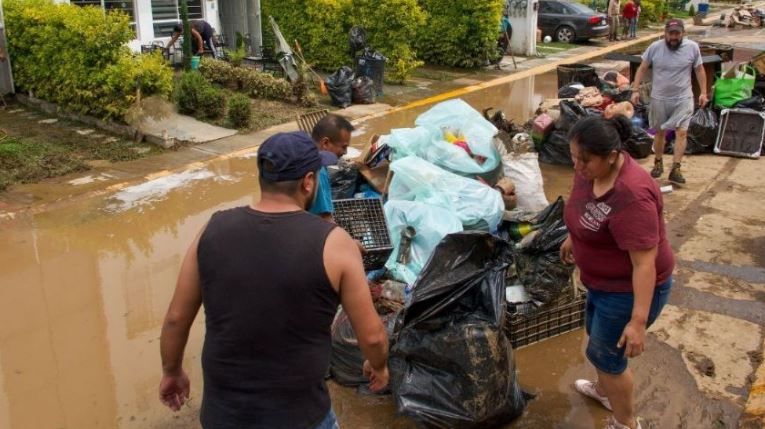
{"x": 564, "y": 315}
{"x": 364, "y": 219}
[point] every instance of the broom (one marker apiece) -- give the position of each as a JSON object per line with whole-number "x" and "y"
{"x": 322, "y": 84}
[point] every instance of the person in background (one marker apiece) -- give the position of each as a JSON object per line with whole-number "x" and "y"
{"x": 637, "y": 16}
{"x": 202, "y": 34}
{"x": 505, "y": 32}
{"x": 629, "y": 13}
{"x": 613, "y": 20}
{"x": 673, "y": 59}
{"x": 617, "y": 239}
{"x": 270, "y": 277}
{"x": 332, "y": 136}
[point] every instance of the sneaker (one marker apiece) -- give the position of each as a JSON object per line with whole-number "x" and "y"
{"x": 613, "y": 424}
{"x": 675, "y": 175}
{"x": 587, "y": 388}
{"x": 658, "y": 168}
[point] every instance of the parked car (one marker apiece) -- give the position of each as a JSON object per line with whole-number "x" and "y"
{"x": 568, "y": 22}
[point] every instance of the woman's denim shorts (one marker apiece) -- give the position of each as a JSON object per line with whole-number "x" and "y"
{"x": 606, "y": 316}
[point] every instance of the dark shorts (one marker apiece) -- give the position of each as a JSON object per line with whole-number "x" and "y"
{"x": 607, "y": 314}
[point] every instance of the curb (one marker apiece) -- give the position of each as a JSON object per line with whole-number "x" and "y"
{"x": 753, "y": 416}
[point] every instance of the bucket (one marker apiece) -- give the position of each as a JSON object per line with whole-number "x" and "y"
{"x": 195, "y": 62}
{"x": 581, "y": 73}
{"x": 703, "y": 8}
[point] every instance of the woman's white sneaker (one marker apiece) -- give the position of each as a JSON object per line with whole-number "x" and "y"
{"x": 587, "y": 388}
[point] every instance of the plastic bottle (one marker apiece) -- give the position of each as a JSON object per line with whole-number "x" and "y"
{"x": 518, "y": 230}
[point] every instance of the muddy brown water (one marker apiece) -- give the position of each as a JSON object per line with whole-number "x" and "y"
{"x": 84, "y": 289}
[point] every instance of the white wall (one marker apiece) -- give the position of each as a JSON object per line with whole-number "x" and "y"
{"x": 524, "y": 22}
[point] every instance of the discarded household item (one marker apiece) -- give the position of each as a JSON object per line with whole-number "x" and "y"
{"x": 284, "y": 53}
{"x": 307, "y": 121}
{"x": 758, "y": 62}
{"x": 622, "y": 108}
{"x": 475, "y": 204}
{"x": 347, "y": 360}
{"x": 666, "y": 189}
{"x": 570, "y": 90}
{"x": 195, "y": 60}
{"x": 537, "y": 259}
{"x": 725, "y": 52}
{"x": 555, "y": 148}
{"x": 523, "y": 170}
{"x": 590, "y": 96}
{"x": 364, "y": 220}
{"x": 741, "y": 133}
{"x": 702, "y": 131}
{"x": 452, "y": 364}
{"x": 541, "y": 126}
{"x": 363, "y": 90}
{"x": 615, "y": 80}
{"x": 431, "y": 223}
{"x": 500, "y": 121}
{"x": 372, "y": 64}
{"x": 733, "y": 86}
{"x": 340, "y": 86}
{"x": 428, "y": 140}
{"x": 583, "y": 73}
{"x": 566, "y": 314}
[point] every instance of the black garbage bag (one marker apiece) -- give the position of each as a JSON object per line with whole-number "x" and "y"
{"x": 538, "y": 265}
{"x": 570, "y": 112}
{"x": 702, "y": 131}
{"x": 343, "y": 178}
{"x": 499, "y": 120}
{"x": 640, "y": 145}
{"x": 570, "y": 90}
{"x": 346, "y": 363}
{"x": 452, "y": 364}
{"x": 555, "y": 150}
{"x": 754, "y": 102}
{"x": 363, "y": 90}
{"x": 339, "y": 86}
{"x": 616, "y": 95}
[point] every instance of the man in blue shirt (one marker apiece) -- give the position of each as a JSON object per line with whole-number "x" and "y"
{"x": 332, "y": 136}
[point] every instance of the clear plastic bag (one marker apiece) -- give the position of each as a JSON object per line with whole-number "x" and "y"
{"x": 476, "y": 205}
{"x": 431, "y": 224}
{"x": 428, "y": 139}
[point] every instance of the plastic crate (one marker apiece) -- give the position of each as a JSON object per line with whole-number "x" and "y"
{"x": 564, "y": 315}
{"x": 741, "y": 133}
{"x": 364, "y": 219}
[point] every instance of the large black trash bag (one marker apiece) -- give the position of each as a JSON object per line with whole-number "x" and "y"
{"x": 640, "y": 145}
{"x": 754, "y": 102}
{"x": 570, "y": 90}
{"x": 339, "y": 86}
{"x": 554, "y": 148}
{"x": 451, "y": 363}
{"x": 363, "y": 90}
{"x": 702, "y": 131}
{"x": 538, "y": 264}
{"x": 343, "y": 178}
{"x": 347, "y": 360}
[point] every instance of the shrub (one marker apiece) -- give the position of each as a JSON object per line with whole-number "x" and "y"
{"x": 211, "y": 102}
{"x": 692, "y": 11}
{"x": 462, "y": 34}
{"x": 239, "y": 111}
{"x": 250, "y": 81}
{"x": 94, "y": 73}
{"x": 187, "y": 91}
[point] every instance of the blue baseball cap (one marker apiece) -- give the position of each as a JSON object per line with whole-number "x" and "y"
{"x": 290, "y": 155}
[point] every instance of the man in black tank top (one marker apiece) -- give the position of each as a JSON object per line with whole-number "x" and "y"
{"x": 270, "y": 277}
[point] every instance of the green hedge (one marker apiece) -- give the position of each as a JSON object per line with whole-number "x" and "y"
{"x": 247, "y": 80}
{"x": 77, "y": 57}
{"x": 459, "y": 33}
{"x": 462, "y": 34}
{"x": 322, "y": 28}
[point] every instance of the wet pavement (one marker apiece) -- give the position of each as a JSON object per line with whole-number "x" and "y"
{"x": 85, "y": 285}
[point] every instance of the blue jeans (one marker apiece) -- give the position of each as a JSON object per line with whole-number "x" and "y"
{"x": 633, "y": 27}
{"x": 329, "y": 422}
{"x": 606, "y": 315}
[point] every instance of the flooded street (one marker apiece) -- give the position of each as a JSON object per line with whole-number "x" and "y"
{"x": 85, "y": 286}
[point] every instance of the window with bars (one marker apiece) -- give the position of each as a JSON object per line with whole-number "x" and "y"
{"x": 166, "y": 13}
{"x": 108, "y": 5}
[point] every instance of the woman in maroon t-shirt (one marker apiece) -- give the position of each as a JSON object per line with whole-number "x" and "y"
{"x": 618, "y": 240}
